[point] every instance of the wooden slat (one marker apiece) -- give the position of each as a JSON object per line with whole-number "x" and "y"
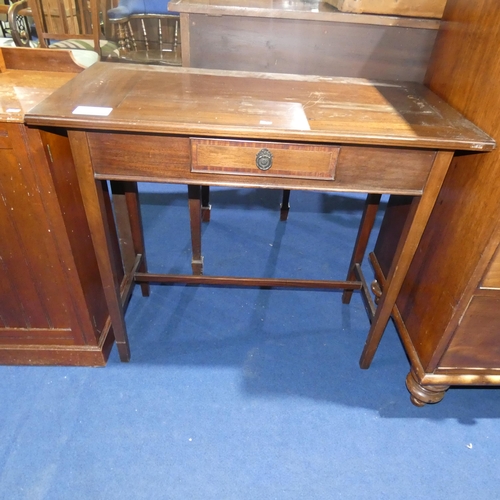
{"x": 246, "y": 282}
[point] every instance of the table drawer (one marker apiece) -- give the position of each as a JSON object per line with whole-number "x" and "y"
{"x": 269, "y": 159}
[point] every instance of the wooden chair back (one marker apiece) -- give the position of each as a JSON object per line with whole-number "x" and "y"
{"x": 58, "y": 20}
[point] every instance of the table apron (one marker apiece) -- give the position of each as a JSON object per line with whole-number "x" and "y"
{"x": 227, "y": 162}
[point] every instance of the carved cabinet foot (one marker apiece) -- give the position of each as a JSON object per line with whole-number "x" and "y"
{"x": 421, "y": 395}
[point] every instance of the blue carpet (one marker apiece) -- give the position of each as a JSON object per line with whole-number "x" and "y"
{"x": 245, "y": 393}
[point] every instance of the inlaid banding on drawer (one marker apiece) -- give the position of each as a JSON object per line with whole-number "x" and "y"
{"x": 290, "y": 160}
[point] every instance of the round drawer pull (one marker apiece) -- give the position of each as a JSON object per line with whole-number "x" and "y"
{"x": 264, "y": 159}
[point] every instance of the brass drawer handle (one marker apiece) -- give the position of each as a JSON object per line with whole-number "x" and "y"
{"x": 264, "y": 159}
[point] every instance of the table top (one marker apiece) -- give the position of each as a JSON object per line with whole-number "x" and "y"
{"x": 293, "y": 9}
{"x": 24, "y": 81}
{"x": 21, "y": 90}
{"x": 214, "y": 103}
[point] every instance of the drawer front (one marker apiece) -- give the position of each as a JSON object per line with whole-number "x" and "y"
{"x": 5, "y": 142}
{"x": 285, "y": 160}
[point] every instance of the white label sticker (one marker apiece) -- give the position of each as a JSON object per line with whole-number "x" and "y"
{"x": 92, "y": 110}
{"x": 13, "y": 110}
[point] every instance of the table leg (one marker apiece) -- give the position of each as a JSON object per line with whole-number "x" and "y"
{"x": 134, "y": 212}
{"x": 194, "y": 196}
{"x": 420, "y": 212}
{"x": 205, "y": 204}
{"x": 129, "y": 221}
{"x": 365, "y": 228}
{"x": 94, "y": 201}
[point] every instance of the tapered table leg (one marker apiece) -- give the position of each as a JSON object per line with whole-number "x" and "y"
{"x": 420, "y": 212}
{"x": 365, "y": 228}
{"x": 285, "y": 205}
{"x": 194, "y": 196}
{"x": 94, "y": 195}
{"x": 205, "y": 204}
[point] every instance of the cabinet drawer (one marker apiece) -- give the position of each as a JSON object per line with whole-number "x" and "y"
{"x": 299, "y": 161}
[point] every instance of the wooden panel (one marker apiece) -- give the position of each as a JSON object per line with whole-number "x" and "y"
{"x": 384, "y": 170}
{"x": 27, "y": 59}
{"x": 312, "y": 10}
{"x": 163, "y": 153}
{"x": 417, "y": 8}
{"x": 309, "y": 47}
{"x": 31, "y": 263}
{"x": 20, "y": 305}
{"x": 35, "y": 336}
{"x": 476, "y": 342}
{"x": 492, "y": 276}
{"x": 73, "y": 236}
{"x": 58, "y": 354}
{"x": 299, "y": 161}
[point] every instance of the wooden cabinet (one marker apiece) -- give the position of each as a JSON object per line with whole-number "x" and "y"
{"x": 304, "y": 37}
{"x": 52, "y": 306}
{"x": 448, "y": 312}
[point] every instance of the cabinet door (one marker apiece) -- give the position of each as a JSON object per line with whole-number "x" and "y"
{"x": 35, "y": 306}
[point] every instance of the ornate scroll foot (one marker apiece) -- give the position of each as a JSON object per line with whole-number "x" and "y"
{"x": 421, "y": 395}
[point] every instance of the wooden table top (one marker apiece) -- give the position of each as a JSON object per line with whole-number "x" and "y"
{"x": 188, "y": 101}
{"x": 293, "y": 9}
{"x": 24, "y": 81}
{"x": 22, "y": 90}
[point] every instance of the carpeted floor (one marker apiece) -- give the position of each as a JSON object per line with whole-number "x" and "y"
{"x": 245, "y": 394}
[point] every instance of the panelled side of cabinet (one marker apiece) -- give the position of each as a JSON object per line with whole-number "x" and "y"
{"x": 449, "y": 304}
{"x": 52, "y": 309}
{"x": 52, "y": 306}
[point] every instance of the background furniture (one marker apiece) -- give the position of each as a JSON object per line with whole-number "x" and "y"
{"x": 68, "y": 24}
{"x": 147, "y": 31}
{"x": 18, "y": 18}
{"x": 448, "y": 312}
{"x": 52, "y": 307}
{"x": 301, "y": 37}
{"x": 305, "y": 37}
